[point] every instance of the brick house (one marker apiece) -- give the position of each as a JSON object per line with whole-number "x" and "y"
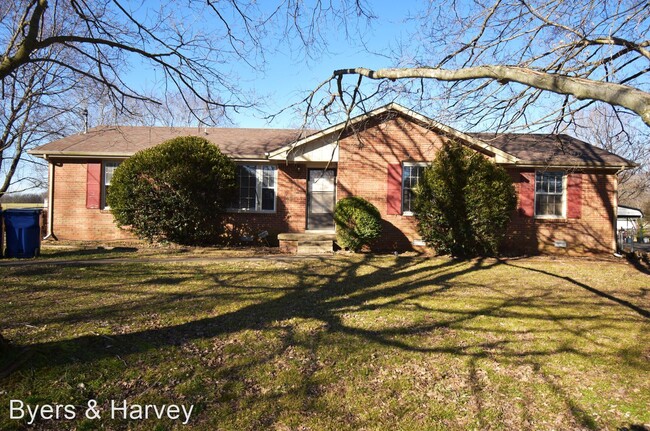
{"x": 289, "y": 180}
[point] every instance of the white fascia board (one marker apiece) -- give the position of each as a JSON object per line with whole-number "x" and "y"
{"x": 78, "y": 155}
{"x": 47, "y": 155}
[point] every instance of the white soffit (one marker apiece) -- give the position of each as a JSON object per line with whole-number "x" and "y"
{"x": 322, "y": 149}
{"x": 629, "y": 212}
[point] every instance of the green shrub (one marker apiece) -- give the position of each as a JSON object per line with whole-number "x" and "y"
{"x": 464, "y": 202}
{"x": 358, "y": 223}
{"x": 174, "y": 191}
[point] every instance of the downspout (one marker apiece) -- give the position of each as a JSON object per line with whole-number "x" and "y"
{"x": 50, "y": 200}
{"x": 615, "y": 221}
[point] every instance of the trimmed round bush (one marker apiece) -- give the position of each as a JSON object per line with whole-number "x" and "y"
{"x": 358, "y": 223}
{"x": 173, "y": 191}
{"x": 464, "y": 203}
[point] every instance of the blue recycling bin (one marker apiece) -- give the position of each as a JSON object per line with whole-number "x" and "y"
{"x": 23, "y": 230}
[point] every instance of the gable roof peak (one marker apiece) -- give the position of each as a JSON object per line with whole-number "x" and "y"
{"x": 284, "y": 153}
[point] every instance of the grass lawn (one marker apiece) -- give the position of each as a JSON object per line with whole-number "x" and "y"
{"x": 141, "y": 250}
{"x": 344, "y": 342}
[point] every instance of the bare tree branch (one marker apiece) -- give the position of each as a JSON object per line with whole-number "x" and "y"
{"x": 520, "y": 64}
{"x": 615, "y": 94}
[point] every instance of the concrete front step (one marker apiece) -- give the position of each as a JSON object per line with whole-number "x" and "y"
{"x": 306, "y": 243}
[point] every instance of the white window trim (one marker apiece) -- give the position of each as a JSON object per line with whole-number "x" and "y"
{"x": 564, "y": 196}
{"x": 103, "y": 205}
{"x": 259, "y": 178}
{"x": 405, "y": 164}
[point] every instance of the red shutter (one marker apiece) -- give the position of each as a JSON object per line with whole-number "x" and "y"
{"x": 93, "y": 185}
{"x": 394, "y": 190}
{"x": 574, "y": 196}
{"x": 527, "y": 194}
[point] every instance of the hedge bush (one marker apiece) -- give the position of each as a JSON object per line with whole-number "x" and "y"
{"x": 358, "y": 223}
{"x": 174, "y": 191}
{"x": 464, "y": 202}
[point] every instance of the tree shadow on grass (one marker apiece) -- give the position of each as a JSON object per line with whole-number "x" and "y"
{"x": 639, "y": 310}
{"x": 359, "y": 285}
{"x": 69, "y": 257}
{"x": 641, "y": 264}
{"x": 89, "y": 252}
{"x": 344, "y": 289}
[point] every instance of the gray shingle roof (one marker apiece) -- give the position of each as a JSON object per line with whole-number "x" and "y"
{"x": 240, "y": 143}
{"x": 552, "y": 150}
{"x": 127, "y": 140}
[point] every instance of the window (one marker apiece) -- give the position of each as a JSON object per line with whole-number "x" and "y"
{"x": 108, "y": 169}
{"x": 549, "y": 194}
{"x": 256, "y": 185}
{"x": 268, "y": 188}
{"x": 411, "y": 175}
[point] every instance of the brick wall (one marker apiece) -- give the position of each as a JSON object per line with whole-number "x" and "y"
{"x": 363, "y": 171}
{"x": 290, "y": 215}
{"x": 73, "y": 221}
{"x": 591, "y": 232}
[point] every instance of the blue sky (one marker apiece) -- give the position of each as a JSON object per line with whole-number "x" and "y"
{"x": 288, "y": 79}
{"x": 288, "y": 75}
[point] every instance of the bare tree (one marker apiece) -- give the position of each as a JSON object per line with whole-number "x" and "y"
{"x": 504, "y": 58}
{"x": 605, "y": 127}
{"x": 53, "y": 53}
{"x": 108, "y": 36}
{"x": 58, "y": 56}
{"x": 32, "y": 114}
{"x": 175, "y": 110}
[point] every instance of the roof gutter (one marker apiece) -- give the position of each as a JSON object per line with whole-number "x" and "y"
{"x": 77, "y": 154}
{"x": 619, "y": 168}
{"x": 47, "y": 155}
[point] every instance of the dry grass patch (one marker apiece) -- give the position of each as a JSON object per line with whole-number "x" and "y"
{"x": 339, "y": 343}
